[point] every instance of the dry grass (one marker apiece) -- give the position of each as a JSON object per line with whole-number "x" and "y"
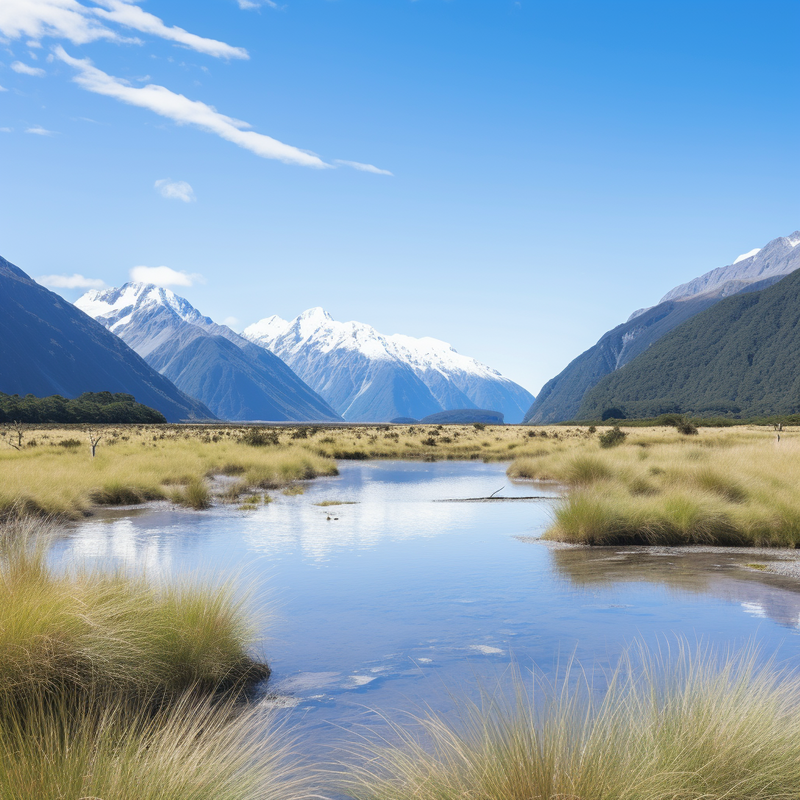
{"x": 111, "y": 687}
{"x": 139, "y": 463}
{"x": 189, "y": 751}
{"x": 80, "y": 631}
{"x": 725, "y": 487}
{"x": 693, "y": 727}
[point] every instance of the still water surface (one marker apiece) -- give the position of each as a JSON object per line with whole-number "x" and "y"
{"x": 398, "y": 599}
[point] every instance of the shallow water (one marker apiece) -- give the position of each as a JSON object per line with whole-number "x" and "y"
{"x": 398, "y": 599}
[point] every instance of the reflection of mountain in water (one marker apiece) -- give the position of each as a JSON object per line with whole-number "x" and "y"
{"x": 718, "y": 573}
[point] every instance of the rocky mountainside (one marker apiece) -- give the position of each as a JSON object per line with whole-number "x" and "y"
{"x": 738, "y": 357}
{"x": 560, "y": 398}
{"x": 236, "y": 379}
{"x": 369, "y": 377}
{"x": 47, "y": 347}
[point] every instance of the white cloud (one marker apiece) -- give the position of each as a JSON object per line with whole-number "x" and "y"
{"x": 184, "y": 111}
{"x": 24, "y": 69}
{"x": 131, "y": 16}
{"x": 165, "y": 276}
{"x": 175, "y": 190}
{"x": 231, "y": 322}
{"x": 39, "y": 131}
{"x": 80, "y": 24}
{"x": 6, "y": 130}
{"x": 70, "y": 282}
{"x": 3, "y": 89}
{"x": 363, "y": 167}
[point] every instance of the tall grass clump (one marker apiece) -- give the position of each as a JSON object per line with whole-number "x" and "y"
{"x": 190, "y": 750}
{"x": 79, "y": 631}
{"x": 690, "y": 727}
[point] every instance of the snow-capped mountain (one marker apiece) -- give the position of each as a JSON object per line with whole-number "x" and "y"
{"x": 367, "y": 376}
{"x": 234, "y": 378}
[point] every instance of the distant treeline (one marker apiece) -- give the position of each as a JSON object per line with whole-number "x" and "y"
{"x": 89, "y": 407}
{"x": 675, "y": 421}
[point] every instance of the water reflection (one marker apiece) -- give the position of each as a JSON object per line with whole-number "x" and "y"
{"x": 716, "y": 572}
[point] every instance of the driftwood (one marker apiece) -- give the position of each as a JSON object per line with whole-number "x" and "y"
{"x": 493, "y": 499}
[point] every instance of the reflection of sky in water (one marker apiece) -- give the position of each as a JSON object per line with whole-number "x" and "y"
{"x": 402, "y": 597}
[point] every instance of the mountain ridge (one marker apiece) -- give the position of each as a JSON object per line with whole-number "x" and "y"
{"x": 368, "y": 376}
{"x": 237, "y": 379}
{"x": 560, "y": 398}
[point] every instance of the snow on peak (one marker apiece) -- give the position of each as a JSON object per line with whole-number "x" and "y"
{"x": 118, "y": 305}
{"x": 750, "y": 254}
{"x": 315, "y": 326}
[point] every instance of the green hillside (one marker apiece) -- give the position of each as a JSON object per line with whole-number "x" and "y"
{"x": 739, "y": 358}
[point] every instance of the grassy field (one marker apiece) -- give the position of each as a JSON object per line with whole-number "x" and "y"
{"x": 729, "y": 486}
{"x": 690, "y": 727}
{"x": 54, "y": 473}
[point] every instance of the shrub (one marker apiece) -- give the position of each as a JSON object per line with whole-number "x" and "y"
{"x": 260, "y": 437}
{"x": 69, "y": 443}
{"x": 612, "y": 438}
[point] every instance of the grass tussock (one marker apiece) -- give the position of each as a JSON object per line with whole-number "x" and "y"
{"x": 721, "y": 487}
{"x": 692, "y": 727}
{"x": 190, "y": 751}
{"x": 112, "y": 687}
{"x": 82, "y": 631}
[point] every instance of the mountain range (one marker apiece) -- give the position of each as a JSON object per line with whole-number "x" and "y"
{"x": 48, "y": 347}
{"x": 560, "y": 399}
{"x": 738, "y": 357}
{"x": 236, "y": 379}
{"x": 370, "y": 377}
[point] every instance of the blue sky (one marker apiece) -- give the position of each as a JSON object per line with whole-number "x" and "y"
{"x": 554, "y": 165}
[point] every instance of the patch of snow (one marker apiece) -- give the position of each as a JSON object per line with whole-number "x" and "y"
{"x": 745, "y": 256}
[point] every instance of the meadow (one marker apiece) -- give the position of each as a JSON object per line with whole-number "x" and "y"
{"x": 643, "y": 485}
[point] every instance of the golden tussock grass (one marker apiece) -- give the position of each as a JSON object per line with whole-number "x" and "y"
{"x": 689, "y": 727}
{"x": 723, "y": 487}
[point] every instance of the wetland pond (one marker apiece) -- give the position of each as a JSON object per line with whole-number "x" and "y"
{"x": 398, "y": 600}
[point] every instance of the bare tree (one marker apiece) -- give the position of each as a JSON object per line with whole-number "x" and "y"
{"x": 16, "y": 431}
{"x": 94, "y": 440}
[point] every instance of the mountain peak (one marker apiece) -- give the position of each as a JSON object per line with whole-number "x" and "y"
{"x": 316, "y": 313}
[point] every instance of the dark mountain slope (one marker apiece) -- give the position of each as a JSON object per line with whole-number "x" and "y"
{"x": 560, "y": 398}
{"x": 738, "y": 357}
{"x": 47, "y": 346}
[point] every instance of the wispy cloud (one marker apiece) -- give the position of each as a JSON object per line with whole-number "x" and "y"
{"x": 184, "y": 111}
{"x": 25, "y": 69}
{"x": 231, "y": 322}
{"x": 80, "y": 24}
{"x": 3, "y": 89}
{"x": 131, "y": 16}
{"x": 38, "y": 130}
{"x": 75, "y": 281}
{"x": 247, "y": 5}
{"x": 165, "y": 276}
{"x": 6, "y": 130}
{"x": 175, "y": 190}
{"x": 363, "y": 167}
